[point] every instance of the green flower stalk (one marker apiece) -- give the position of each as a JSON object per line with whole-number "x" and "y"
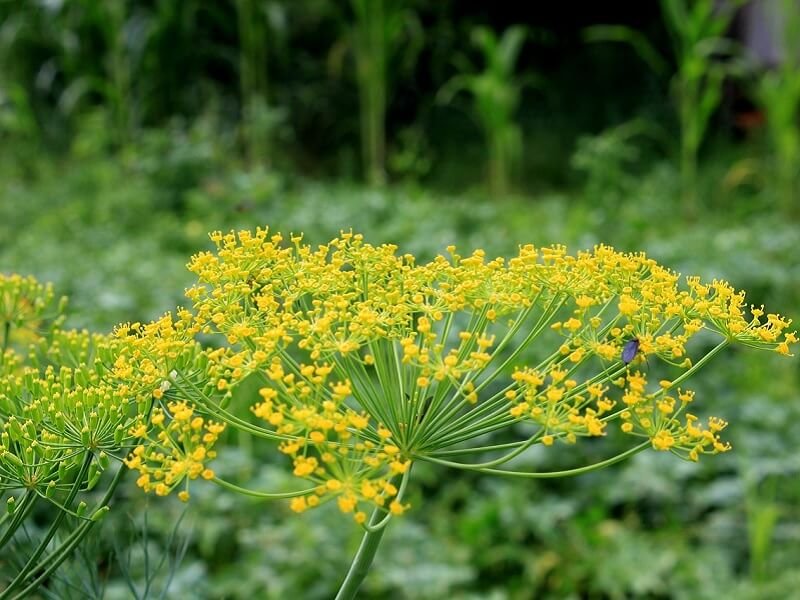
{"x": 368, "y": 361}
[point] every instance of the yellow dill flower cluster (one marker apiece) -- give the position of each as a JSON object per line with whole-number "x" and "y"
{"x": 145, "y": 355}
{"x": 367, "y": 361}
{"x": 25, "y": 302}
{"x": 55, "y": 416}
{"x": 556, "y": 402}
{"x": 67, "y": 347}
{"x": 660, "y": 317}
{"x": 71, "y": 397}
{"x": 177, "y": 453}
{"x": 330, "y": 444}
{"x": 169, "y": 374}
{"x": 655, "y": 416}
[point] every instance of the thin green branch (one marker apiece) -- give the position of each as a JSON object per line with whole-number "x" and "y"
{"x": 535, "y": 475}
{"x": 264, "y": 495}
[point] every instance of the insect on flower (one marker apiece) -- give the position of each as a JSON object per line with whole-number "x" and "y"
{"x": 425, "y": 407}
{"x": 629, "y": 350}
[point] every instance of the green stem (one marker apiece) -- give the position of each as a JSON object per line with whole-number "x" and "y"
{"x": 20, "y": 514}
{"x": 257, "y": 494}
{"x": 449, "y": 411}
{"x": 479, "y": 449}
{"x": 548, "y": 475}
{"x": 700, "y": 363}
{"x": 514, "y": 453}
{"x": 369, "y": 545}
{"x": 363, "y": 559}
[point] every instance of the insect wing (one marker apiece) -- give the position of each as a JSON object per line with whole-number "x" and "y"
{"x": 629, "y": 350}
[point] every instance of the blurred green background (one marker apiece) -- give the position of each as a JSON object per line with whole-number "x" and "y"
{"x": 129, "y": 129}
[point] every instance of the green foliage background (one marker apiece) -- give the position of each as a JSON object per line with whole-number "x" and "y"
{"x": 123, "y": 142}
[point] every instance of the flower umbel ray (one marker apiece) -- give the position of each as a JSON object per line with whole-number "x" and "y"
{"x": 368, "y": 360}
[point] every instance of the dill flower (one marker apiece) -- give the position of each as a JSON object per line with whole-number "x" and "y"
{"x": 356, "y": 362}
{"x": 367, "y": 361}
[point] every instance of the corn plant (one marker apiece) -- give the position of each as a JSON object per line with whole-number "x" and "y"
{"x": 704, "y": 59}
{"x": 68, "y": 69}
{"x": 117, "y": 86}
{"x": 495, "y": 92}
{"x": 131, "y": 59}
{"x": 258, "y": 22}
{"x": 111, "y": 79}
{"x": 376, "y": 33}
{"x": 697, "y": 29}
{"x": 778, "y": 92}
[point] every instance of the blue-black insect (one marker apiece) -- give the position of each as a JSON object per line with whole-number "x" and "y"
{"x": 629, "y": 350}
{"x": 426, "y": 405}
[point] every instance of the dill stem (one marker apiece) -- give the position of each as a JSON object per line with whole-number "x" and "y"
{"x": 362, "y": 560}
